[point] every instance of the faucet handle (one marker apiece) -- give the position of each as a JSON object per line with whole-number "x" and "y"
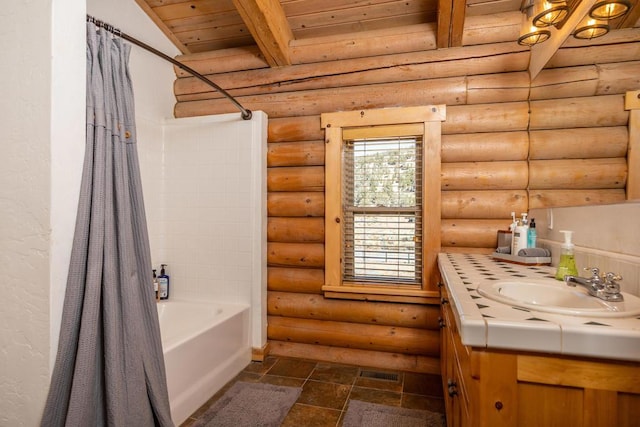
{"x": 612, "y": 277}
{"x": 595, "y": 272}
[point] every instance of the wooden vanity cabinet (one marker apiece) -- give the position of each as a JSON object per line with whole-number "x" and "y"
{"x": 492, "y": 388}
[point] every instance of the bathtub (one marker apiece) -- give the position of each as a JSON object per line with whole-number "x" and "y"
{"x": 205, "y": 345}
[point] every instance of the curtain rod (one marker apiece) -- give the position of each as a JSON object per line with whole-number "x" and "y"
{"x": 246, "y": 114}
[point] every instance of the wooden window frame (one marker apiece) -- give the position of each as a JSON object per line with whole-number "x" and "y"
{"x": 430, "y": 119}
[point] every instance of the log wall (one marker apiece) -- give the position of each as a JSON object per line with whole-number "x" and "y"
{"x": 508, "y": 144}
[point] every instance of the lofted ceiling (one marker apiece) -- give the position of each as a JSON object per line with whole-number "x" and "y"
{"x": 208, "y": 25}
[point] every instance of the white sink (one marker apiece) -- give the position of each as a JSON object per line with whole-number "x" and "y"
{"x": 558, "y": 298}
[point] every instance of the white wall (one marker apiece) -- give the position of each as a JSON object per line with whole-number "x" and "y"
{"x": 25, "y": 104}
{"x": 607, "y": 237}
{"x": 42, "y": 112}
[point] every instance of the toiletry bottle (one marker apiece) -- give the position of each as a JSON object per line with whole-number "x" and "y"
{"x": 156, "y": 286}
{"x": 512, "y": 227}
{"x": 531, "y": 241}
{"x": 163, "y": 281}
{"x": 520, "y": 235}
{"x": 567, "y": 263}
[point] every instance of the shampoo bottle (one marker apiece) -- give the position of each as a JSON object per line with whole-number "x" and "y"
{"x": 156, "y": 286}
{"x": 520, "y": 235}
{"x": 531, "y": 240}
{"x": 567, "y": 264}
{"x": 163, "y": 282}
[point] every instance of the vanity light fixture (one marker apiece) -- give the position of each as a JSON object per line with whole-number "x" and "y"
{"x": 609, "y": 9}
{"x": 549, "y": 12}
{"x": 530, "y": 34}
{"x": 590, "y": 28}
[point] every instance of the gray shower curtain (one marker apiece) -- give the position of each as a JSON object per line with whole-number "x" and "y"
{"x": 109, "y": 368}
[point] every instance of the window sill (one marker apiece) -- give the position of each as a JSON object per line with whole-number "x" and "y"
{"x": 379, "y": 293}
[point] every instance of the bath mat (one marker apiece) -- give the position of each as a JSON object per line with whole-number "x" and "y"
{"x": 374, "y": 415}
{"x": 250, "y": 405}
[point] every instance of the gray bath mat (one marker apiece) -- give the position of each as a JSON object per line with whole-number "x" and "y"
{"x": 374, "y": 415}
{"x": 250, "y": 405}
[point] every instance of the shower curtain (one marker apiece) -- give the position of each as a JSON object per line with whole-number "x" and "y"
{"x": 109, "y": 368}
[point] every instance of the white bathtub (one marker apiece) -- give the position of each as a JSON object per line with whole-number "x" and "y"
{"x": 205, "y": 345}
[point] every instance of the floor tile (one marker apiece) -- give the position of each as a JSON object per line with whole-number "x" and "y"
{"x": 261, "y": 367}
{"x": 416, "y": 401}
{"x": 311, "y": 416}
{"x": 424, "y": 384}
{"x": 292, "y": 368}
{"x": 326, "y": 395}
{"x": 383, "y": 397}
{"x": 330, "y": 373}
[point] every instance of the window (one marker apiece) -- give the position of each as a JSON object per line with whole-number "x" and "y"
{"x": 382, "y": 203}
{"x": 382, "y": 209}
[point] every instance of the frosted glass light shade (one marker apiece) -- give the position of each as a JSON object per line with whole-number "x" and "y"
{"x": 609, "y": 9}
{"x": 590, "y": 28}
{"x": 546, "y": 13}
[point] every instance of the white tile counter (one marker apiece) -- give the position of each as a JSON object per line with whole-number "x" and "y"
{"x": 486, "y": 323}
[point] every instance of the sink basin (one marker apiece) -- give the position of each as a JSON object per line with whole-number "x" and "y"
{"x": 557, "y": 298}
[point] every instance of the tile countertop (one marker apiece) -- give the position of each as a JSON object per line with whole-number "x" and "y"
{"x": 483, "y": 322}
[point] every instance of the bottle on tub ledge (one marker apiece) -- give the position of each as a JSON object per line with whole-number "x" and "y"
{"x": 163, "y": 283}
{"x": 156, "y": 286}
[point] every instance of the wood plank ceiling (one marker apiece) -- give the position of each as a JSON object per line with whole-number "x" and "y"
{"x": 206, "y": 25}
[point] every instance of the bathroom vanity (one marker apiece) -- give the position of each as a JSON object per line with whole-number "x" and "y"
{"x": 506, "y": 365}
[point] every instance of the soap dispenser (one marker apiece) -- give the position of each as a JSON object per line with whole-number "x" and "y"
{"x": 567, "y": 264}
{"x": 163, "y": 281}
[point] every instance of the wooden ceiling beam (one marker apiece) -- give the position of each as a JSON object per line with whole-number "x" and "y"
{"x": 451, "y": 14}
{"x": 269, "y": 27}
{"x": 542, "y": 53}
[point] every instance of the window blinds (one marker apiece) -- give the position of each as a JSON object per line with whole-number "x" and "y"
{"x": 382, "y": 210}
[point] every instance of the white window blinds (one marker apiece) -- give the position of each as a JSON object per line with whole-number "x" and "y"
{"x": 382, "y": 210}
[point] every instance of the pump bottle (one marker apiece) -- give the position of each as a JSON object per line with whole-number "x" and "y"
{"x": 567, "y": 264}
{"x": 163, "y": 281}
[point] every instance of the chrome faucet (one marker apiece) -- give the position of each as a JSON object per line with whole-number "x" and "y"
{"x": 605, "y": 287}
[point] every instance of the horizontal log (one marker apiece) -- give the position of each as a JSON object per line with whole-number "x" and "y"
{"x": 579, "y": 143}
{"x": 483, "y": 204}
{"x": 577, "y": 174}
{"x": 222, "y": 61}
{"x": 353, "y": 335}
{"x": 472, "y": 233}
{"x": 302, "y": 178}
{"x": 291, "y": 279}
{"x": 295, "y": 254}
{"x": 491, "y": 27}
{"x": 497, "y": 87}
{"x": 450, "y": 91}
{"x": 485, "y": 175}
{"x": 617, "y": 46}
{"x": 306, "y": 153}
{"x": 295, "y": 204}
{"x": 410, "y": 38}
{"x": 485, "y": 147}
{"x": 305, "y": 128}
{"x": 618, "y": 78}
{"x": 539, "y": 199}
{"x": 565, "y": 83}
{"x": 501, "y": 117}
{"x": 495, "y": 60}
{"x": 295, "y": 230}
{"x": 356, "y": 357}
{"x": 590, "y": 111}
{"x": 308, "y": 306}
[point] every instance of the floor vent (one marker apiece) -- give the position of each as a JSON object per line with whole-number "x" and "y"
{"x": 383, "y": 376}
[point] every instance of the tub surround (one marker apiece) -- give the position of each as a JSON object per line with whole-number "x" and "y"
{"x": 485, "y": 323}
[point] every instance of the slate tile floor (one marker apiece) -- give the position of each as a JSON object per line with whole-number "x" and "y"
{"x": 327, "y": 389}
